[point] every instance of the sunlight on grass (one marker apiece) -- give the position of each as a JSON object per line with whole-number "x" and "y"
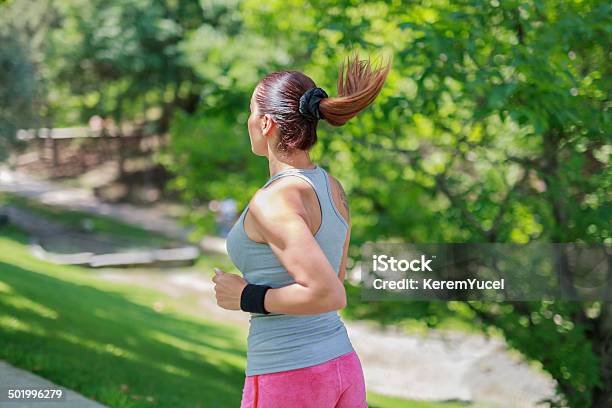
{"x": 11, "y": 323}
{"x": 96, "y": 346}
{"x": 4, "y": 288}
{"x": 25, "y": 303}
{"x": 100, "y": 338}
{"x": 208, "y": 352}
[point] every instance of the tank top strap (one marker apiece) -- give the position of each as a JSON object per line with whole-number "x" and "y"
{"x": 289, "y": 172}
{"x": 318, "y": 179}
{"x": 309, "y": 175}
{"x": 330, "y": 206}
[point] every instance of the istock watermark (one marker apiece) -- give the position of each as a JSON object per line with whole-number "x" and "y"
{"x": 491, "y": 271}
{"x": 384, "y": 262}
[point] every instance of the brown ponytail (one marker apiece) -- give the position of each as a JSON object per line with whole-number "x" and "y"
{"x": 357, "y": 88}
{"x": 278, "y": 94}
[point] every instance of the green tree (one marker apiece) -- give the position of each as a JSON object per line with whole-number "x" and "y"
{"x": 17, "y": 91}
{"x": 122, "y": 60}
{"x": 22, "y": 90}
{"x": 493, "y": 127}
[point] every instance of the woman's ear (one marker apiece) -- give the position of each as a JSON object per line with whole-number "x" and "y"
{"x": 267, "y": 125}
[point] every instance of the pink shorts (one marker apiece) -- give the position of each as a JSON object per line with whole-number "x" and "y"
{"x": 337, "y": 383}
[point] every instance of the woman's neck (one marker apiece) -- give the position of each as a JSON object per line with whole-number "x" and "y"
{"x": 300, "y": 159}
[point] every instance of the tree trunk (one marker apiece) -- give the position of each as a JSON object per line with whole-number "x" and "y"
{"x": 121, "y": 154}
{"x": 602, "y": 347}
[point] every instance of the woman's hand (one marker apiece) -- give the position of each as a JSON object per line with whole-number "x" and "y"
{"x": 228, "y": 288}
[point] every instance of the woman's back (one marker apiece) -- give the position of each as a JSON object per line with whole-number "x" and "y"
{"x": 279, "y": 342}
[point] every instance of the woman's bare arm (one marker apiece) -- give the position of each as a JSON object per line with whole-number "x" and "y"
{"x": 280, "y": 217}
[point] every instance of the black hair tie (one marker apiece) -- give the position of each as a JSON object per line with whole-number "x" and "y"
{"x": 309, "y": 103}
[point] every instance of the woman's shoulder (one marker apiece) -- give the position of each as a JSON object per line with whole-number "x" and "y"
{"x": 285, "y": 194}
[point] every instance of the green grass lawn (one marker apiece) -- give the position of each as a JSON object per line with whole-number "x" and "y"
{"x": 110, "y": 342}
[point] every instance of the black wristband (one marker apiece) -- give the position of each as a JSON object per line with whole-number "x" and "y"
{"x": 252, "y": 298}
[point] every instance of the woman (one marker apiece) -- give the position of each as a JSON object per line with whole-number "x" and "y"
{"x": 291, "y": 244}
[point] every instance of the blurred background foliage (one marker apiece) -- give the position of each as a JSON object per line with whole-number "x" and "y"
{"x": 493, "y": 125}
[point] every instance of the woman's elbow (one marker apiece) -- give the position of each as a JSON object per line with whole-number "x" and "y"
{"x": 333, "y": 298}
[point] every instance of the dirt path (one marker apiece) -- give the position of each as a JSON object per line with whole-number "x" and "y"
{"x": 81, "y": 199}
{"x": 152, "y": 218}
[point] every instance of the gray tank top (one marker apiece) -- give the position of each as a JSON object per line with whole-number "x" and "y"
{"x": 280, "y": 342}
